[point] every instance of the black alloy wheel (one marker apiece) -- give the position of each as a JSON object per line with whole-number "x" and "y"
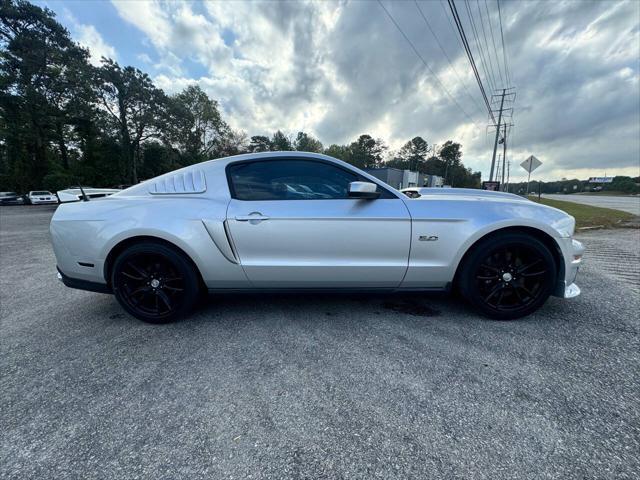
{"x": 508, "y": 276}
{"x": 154, "y": 282}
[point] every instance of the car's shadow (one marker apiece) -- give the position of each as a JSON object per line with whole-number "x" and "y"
{"x": 328, "y": 304}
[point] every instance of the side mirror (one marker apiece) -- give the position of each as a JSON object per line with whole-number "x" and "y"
{"x": 365, "y": 190}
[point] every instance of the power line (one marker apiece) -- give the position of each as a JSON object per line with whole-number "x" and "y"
{"x": 447, "y": 56}
{"x": 465, "y": 43}
{"x": 415, "y": 50}
{"x": 486, "y": 44}
{"x": 483, "y": 60}
{"x": 504, "y": 51}
{"x": 493, "y": 40}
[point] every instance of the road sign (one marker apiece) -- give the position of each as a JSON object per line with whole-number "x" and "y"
{"x": 530, "y": 164}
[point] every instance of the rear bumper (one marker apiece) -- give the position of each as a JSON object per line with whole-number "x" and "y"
{"x": 83, "y": 284}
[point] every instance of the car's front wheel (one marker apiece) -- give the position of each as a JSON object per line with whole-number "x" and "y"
{"x": 154, "y": 282}
{"x": 509, "y": 276}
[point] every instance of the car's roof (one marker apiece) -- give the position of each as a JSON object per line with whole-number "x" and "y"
{"x": 278, "y": 154}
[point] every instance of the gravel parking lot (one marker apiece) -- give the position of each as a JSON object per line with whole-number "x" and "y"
{"x": 316, "y": 386}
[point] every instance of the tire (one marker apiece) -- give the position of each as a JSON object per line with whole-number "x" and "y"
{"x": 155, "y": 283}
{"x": 508, "y": 276}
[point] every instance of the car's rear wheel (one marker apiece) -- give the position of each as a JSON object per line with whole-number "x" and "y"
{"x": 155, "y": 283}
{"x": 509, "y": 276}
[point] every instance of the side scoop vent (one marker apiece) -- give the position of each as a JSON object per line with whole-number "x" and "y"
{"x": 192, "y": 181}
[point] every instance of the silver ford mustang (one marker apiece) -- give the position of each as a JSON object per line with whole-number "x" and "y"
{"x": 294, "y": 220}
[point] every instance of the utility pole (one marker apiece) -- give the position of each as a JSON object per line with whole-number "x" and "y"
{"x": 504, "y": 154}
{"x": 505, "y": 93}
{"x": 495, "y": 143}
{"x": 508, "y": 171}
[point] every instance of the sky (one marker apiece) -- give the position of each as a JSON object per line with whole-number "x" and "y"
{"x": 340, "y": 69}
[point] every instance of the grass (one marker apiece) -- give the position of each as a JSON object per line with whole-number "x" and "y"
{"x": 590, "y": 217}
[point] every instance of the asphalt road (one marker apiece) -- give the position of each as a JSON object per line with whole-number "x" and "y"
{"x": 316, "y": 386}
{"x": 629, "y": 204}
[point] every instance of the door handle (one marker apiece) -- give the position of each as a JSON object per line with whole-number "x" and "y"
{"x": 252, "y": 217}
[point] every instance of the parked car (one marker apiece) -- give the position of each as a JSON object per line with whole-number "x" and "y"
{"x": 75, "y": 194}
{"x": 234, "y": 224}
{"x": 38, "y": 197}
{"x": 11, "y": 198}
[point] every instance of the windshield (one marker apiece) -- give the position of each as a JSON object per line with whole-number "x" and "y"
{"x": 40, "y": 193}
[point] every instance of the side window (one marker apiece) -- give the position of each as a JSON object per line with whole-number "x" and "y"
{"x": 289, "y": 180}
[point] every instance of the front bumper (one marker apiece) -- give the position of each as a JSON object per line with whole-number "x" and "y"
{"x": 571, "y": 291}
{"x": 572, "y": 252}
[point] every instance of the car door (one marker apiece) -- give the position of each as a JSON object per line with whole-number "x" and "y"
{"x": 293, "y": 225}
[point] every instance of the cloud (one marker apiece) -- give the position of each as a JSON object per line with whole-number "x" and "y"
{"x": 339, "y": 69}
{"x": 89, "y": 37}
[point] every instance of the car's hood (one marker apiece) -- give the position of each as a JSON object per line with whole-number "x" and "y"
{"x": 465, "y": 204}
{"x": 466, "y": 192}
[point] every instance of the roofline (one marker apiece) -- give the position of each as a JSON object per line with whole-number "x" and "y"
{"x": 278, "y": 153}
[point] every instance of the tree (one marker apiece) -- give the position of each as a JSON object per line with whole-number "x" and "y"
{"x": 134, "y": 105}
{"x": 342, "y": 152}
{"x": 306, "y": 143}
{"x": 414, "y": 153}
{"x": 194, "y": 125}
{"x": 260, "y": 143}
{"x": 44, "y": 80}
{"x": 455, "y": 173}
{"x": 367, "y": 152}
{"x": 234, "y": 142}
{"x": 434, "y": 166}
{"x": 280, "y": 142}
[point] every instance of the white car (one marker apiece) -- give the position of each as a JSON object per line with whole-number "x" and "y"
{"x": 245, "y": 223}
{"x": 41, "y": 196}
{"x": 76, "y": 194}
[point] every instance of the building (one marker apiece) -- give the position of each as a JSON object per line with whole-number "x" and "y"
{"x": 405, "y": 178}
{"x": 433, "y": 181}
{"x": 397, "y": 178}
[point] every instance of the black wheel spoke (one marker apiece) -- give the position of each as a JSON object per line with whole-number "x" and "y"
{"x": 527, "y": 267}
{"x": 172, "y": 279}
{"x": 493, "y": 292}
{"x": 173, "y": 289}
{"x": 535, "y": 274}
{"x": 484, "y": 277}
{"x": 140, "y": 291}
{"x": 517, "y": 292}
{"x": 500, "y": 297}
{"x": 525, "y": 290}
{"x": 489, "y": 267}
{"x": 132, "y": 277}
{"x": 138, "y": 270}
{"x": 165, "y": 299}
